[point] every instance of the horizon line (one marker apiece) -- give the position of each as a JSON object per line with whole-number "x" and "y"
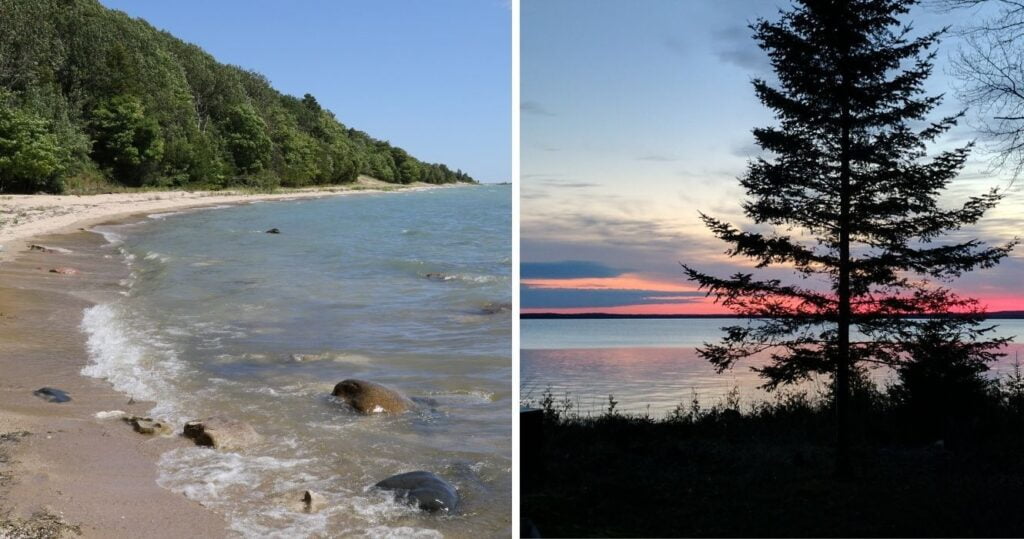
{"x": 1003, "y": 314}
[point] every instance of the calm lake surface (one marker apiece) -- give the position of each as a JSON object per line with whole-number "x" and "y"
{"x": 649, "y": 365}
{"x": 222, "y": 318}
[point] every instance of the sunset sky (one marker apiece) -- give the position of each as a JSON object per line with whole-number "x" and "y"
{"x": 635, "y": 116}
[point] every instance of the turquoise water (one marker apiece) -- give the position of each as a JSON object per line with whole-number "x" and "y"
{"x": 410, "y": 289}
{"x": 651, "y": 365}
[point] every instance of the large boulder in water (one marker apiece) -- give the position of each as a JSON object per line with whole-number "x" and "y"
{"x": 370, "y": 397}
{"x": 424, "y": 490}
{"x": 221, "y": 433}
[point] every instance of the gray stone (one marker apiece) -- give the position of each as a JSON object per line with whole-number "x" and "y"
{"x": 423, "y": 490}
{"x": 51, "y": 394}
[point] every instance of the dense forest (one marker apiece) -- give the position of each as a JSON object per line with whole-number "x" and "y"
{"x": 90, "y": 95}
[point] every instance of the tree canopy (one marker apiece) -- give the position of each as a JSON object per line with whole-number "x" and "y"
{"x": 91, "y": 91}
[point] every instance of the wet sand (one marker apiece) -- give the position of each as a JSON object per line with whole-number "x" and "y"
{"x": 94, "y": 473}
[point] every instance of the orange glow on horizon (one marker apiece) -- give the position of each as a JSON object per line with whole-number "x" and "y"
{"x": 626, "y": 281}
{"x": 708, "y": 306}
{"x": 697, "y": 307}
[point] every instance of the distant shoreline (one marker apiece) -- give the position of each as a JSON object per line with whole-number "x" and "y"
{"x": 995, "y": 315}
{"x": 24, "y": 217}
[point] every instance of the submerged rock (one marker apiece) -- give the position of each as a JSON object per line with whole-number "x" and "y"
{"x": 496, "y": 308}
{"x": 273, "y": 231}
{"x": 370, "y": 397}
{"x": 147, "y": 425}
{"x": 51, "y": 394}
{"x": 424, "y": 490}
{"x": 221, "y": 433}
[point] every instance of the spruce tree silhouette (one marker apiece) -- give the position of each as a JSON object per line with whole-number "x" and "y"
{"x": 847, "y": 198}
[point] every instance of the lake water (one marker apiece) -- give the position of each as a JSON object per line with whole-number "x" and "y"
{"x": 649, "y": 365}
{"x": 220, "y": 318}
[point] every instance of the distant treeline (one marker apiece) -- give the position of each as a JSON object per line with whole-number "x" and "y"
{"x": 995, "y": 315}
{"x": 90, "y": 94}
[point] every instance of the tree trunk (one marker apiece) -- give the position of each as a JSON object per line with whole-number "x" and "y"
{"x": 842, "y": 385}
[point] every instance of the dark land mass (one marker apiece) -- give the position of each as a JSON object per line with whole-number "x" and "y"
{"x": 768, "y": 471}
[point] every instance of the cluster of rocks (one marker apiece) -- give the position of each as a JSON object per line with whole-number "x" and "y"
{"x": 420, "y": 489}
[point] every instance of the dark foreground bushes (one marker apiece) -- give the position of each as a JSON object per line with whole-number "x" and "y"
{"x": 767, "y": 469}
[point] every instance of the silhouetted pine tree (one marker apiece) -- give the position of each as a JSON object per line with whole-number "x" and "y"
{"x": 847, "y": 198}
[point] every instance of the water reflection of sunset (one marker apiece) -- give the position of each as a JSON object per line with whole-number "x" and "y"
{"x": 659, "y": 377}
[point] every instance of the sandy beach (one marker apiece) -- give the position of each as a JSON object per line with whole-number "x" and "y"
{"x": 23, "y": 217}
{"x": 62, "y": 468}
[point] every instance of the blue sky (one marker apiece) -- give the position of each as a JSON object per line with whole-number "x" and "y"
{"x": 635, "y": 116}
{"x": 431, "y": 77}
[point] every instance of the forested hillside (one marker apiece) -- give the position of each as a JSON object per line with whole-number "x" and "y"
{"x": 90, "y": 95}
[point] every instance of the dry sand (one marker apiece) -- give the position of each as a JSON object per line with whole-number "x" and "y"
{"x": 95, "y": 475}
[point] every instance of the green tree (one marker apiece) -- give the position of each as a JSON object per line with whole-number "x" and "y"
{"x": 847, "y": 196}
{"x": 245, "y": 134}
{"x": 147, "y": 108}
{"x": 126, "y": 141}
{"x": 31, "y": 159}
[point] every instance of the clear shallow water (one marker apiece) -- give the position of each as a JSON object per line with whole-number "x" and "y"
{"x": 222, "y": 318}
{"x": 650, "y": 365}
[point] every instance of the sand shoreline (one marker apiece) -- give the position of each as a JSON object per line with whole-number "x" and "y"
{"x": 25, "y": 217}
{"x": 95, "y": 474}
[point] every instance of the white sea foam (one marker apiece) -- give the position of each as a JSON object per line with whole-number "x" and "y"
{"x": 121, "y": 353}
{"x": 113, "y": 238}
{"x": 164, "y": 215}
{"x": 402, "y": 532}
{"x": 471, "y": 278}
{"x": 214, "y": 478}
{"x": 467, "y": 397}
